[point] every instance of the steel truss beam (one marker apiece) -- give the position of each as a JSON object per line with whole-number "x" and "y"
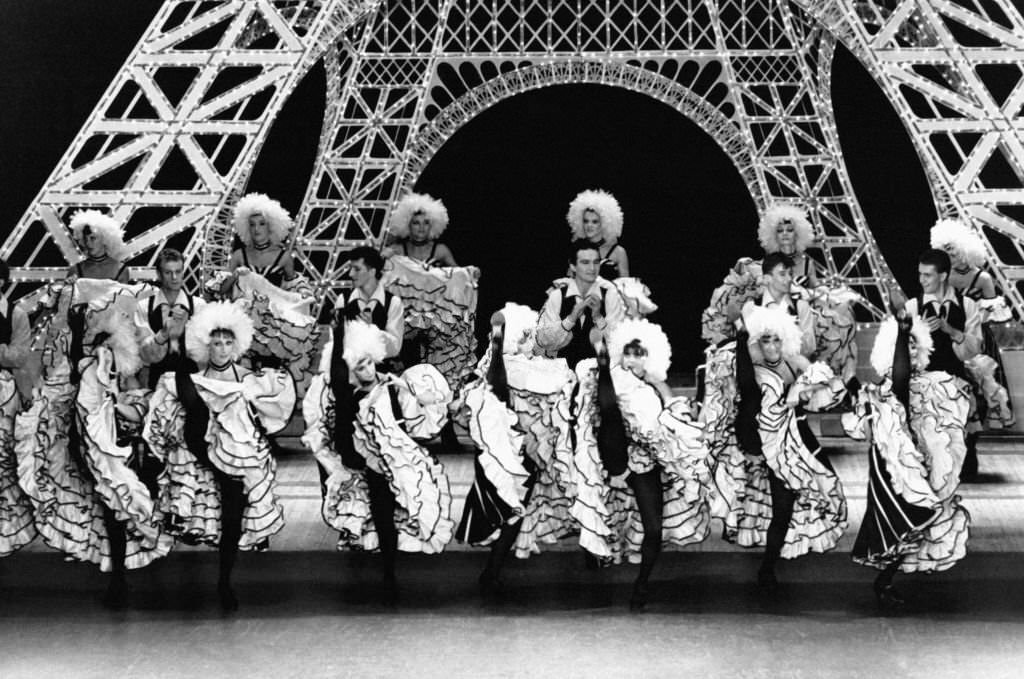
{"x": 404, "y": 75}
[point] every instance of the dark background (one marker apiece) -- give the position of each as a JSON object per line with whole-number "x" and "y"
{"x": 507, "y": 177}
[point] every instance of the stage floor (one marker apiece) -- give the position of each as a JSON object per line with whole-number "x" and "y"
{"x": 308, "y": 611}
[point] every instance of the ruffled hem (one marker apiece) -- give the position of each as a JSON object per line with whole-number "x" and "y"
{"x": 17, "y": 521}
{"x": 835, "y": 328}
{"x": 605, "y": 508}
{"x": 418, "y": 482}
{"x": 189, "y": 492}
{"x": 440, "y": 305}
{"x": 998, "y": 411}
{"x": 937, "y": 547}
{"x": 284, "y": 330}
{"x": 736, "y": 289}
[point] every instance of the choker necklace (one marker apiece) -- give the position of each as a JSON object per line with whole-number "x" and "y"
{"x": 220, "y": 368}
{"x": 773, "y": 364}
{"x": 261, "y": 247}
{"x": 101, "y": 258}
{"x": 962, "y": 271}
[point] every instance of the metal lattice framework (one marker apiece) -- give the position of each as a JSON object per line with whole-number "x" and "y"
{"x": 404, "y": 75}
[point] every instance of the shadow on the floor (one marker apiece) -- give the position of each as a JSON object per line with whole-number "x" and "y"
{"x": 986, "y": 587}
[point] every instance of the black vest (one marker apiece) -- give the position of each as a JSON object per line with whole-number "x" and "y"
{"x": 6, "y": 328}
{"x": 379, "y": 315}
{"x": 943, "y": 357}
{"x": 579, "y": 347}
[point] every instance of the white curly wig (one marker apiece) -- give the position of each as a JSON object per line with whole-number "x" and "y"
{"x": 413, "y": 204}
{"x": 211, "y": 318}
{"x": 361, "y": 340}
{"x": 606, "y": 207}
{"x": 954, "y": 232}
{"x": 121, "y": 340}
{"x": 761, "y": 321}
{"x": 278, "y": 219}
{"x": 885, "y": 343}
{"x": 520, "y": 329}
{"x": 651, "y": 337}
{"x": 104, "y": 226}
{"x": 775, "y": 215}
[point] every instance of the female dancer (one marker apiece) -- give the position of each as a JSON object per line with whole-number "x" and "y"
{"x": 263, "y": 226}
{"x": 17, "y": 524}
{"x": 285, "y": 333}
{"x": 382, "y": 489}
{"x": 439, "y": 297}
{"x": 101, "y": 240}
{"x": 596, "y": 216}
{"x": 914, "y": 421}
{"x": 417, "y": 223}
{"x": 641, "y": 462}
{"x": 786, "y": 496}
{"x": 967, "y": 255}
{"x": 81, "y": 472}
{"x": 519, "y": 419}
{"x": 210, "y": 429}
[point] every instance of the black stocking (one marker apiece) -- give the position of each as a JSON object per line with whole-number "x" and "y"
{"x": 783, "y": 500}
{"x": 115, "y": 597}
{"x": 501, "y": 547}
{"x": 232, "y": 504}
{"x": 651, "y": 503}
{"x": 382, "y": 510}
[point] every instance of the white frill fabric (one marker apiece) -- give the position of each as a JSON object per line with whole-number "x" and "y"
{"x": 418, "y": 481}
{"x": 115, "y": 483}
{"x": 835, "y": 326}
{"x": 668, "y": 436}
{"x": 17, "y": 517}
{"x": 529, "y": 436}
{"x": 915, "y": 466}
{"x": 741, "y": 493}
{"x": 238, "y": 447}
{"x": 284, "y": 327}
{"x": 56, "y": 478}
{"x": 440, "y": 304}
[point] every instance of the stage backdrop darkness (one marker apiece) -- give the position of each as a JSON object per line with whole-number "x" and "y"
{"x": 507, "y": 177}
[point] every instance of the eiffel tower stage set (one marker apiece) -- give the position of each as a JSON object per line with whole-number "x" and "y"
{"x": 170, "y": 148}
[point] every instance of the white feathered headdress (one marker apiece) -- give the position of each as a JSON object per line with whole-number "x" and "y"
{"x": 606, "y": 207}
{"x": 651, "y": 337}
{"x": 362, "y": 340}
{"x": 121, "y": 340}
{"x": 279, "y": 222}
{"x": 954, "y": 232}
{"x": 418, "y": 203}
{"x": 761, "y": 321}
{"x": 520, "y": 329}
{"x": 775, "y": 215}
{"x": 885, "y": 343}
{"x": 211, "y": 318}
{"x": 104, "y": 226}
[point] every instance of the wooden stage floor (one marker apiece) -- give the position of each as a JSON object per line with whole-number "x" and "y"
{"x": 309, "y": 611}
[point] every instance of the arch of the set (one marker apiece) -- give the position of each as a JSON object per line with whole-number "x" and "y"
{"x": 404, "y": 75}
